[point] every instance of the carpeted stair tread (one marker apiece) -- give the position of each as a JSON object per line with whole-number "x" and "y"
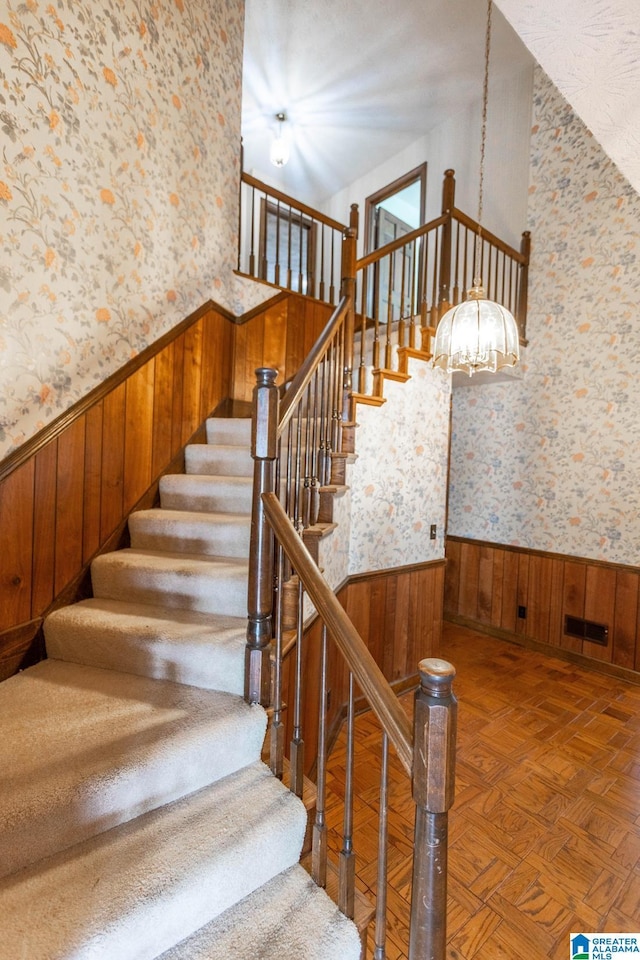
{"x": 183, "y": 580}
{"x": 185, "y": 646}
{"x": 84, "y": 749}
{"x": 219, "y": 459}
{"x": 229, "y": 430}
{"x": 208, "y": 493}
{"x": 187, "y": 531}
{"x": 137, "y": 890}
{"x": 289, "y": 918}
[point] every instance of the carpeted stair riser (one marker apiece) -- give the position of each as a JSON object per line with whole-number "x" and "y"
{"x": 137, "y": 890}
{"x": 233, "y": 431}
{"x": 179, "y": 531}
{"x": 103, "y": 747}
{"x": 200, "y": 649}
{"x": 222, "y": 460}
{"x": 289, "y": 918}
{"x": 204, "y": 584}
{"x": 208, "y": 494}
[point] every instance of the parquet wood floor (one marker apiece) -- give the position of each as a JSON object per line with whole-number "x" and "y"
{"x": 544, "y": 835}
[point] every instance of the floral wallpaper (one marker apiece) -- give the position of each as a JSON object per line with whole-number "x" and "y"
{"x": 552, "y": 462}
{"x": 119, "y": 132}
{"x": 398, "y": 485}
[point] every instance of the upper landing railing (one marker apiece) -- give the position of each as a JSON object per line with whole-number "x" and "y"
{"x": 399, "y": 291}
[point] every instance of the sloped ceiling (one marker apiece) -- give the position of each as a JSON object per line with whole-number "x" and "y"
{"x": 591, "y": 51}
{"x": 359, "y": 80}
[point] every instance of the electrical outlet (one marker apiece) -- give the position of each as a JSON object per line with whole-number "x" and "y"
{"x": 522, "y": 612}
{"x": 433, "y": 530}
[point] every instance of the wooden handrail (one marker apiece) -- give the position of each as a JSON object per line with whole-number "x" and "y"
{"x": 388, "y": 248}
{"x": 303, "y": 377}
{"x": 351, "y": 645}
{"x": 491, "y": 238}
{"x": 292, "y": 202}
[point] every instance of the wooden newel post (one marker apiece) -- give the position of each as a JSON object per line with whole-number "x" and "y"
{"x": 264, "y": 429}
{"x": 523, "y": 288}
{"x": 433, "y": 790}
{"x": 448, "y": 203}
{"x": 348, "y": 289}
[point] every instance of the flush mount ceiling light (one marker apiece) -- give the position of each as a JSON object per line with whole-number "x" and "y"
{"x": 279, "y": 153}
{"x": 478, "y": 334}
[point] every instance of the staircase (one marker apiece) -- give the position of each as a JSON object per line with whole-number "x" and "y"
{"x": 138, "y": 819}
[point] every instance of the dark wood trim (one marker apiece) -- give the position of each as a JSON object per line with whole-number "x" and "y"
{"x": 32, "y": 446}
{"x": 388, "y": 248}
{"x": 418, "y": 173}
{"x": 491, "y": 238}
{"x": 266, "y": 304}
{"x": 565, "y": 557}
{"x": 391, "y": 571}
{"x": 292, "y": 202}
{"x": 586, "y": 663}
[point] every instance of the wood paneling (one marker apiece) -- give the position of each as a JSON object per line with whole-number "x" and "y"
{"x": 61, "y": 505}
{"x": 550, "y": 587}
{"x": 279, "y": 336}
{"x": 398, "y": 613}
{"x": 16, "y": 521}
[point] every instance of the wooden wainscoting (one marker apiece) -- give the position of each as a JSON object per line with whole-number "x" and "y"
{"x": 65, "y": 495}
{"x": 490, "y": 586}
{"x": 398, "y": 613}
{"x": 278, "y": 334}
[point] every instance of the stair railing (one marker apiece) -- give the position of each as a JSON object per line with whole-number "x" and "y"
{"x": 287, "y": 243}
{"x": 404, "y": 287}
{"x": 297, "y": 446}
{"x": 425, "y": 749}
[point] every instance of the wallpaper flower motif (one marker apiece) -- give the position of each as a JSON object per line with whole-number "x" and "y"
{"x": 552, "y": 462}
{"x": 399, "y": 481}
{"x": 119, "y": 131}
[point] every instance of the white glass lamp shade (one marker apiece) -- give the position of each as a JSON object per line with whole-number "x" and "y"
{"x": 476, "y": 335}
{"x": 279, "y": 152}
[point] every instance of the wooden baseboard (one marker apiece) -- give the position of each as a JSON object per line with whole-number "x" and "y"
{"x": 587, "y": 663}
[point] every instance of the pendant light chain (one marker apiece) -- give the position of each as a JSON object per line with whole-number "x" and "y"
{"x": 483, "y": 138}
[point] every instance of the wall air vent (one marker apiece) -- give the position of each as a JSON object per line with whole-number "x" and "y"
{"x": 586, "y": 630}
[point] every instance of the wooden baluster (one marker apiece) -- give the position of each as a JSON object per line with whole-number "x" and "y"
{"x": 347, "y": 860}
{"x": 387, "y": 348}
{"x": 448, "y": 203}
{"x": 332, "y": 286}
{"x": 260, "y": 588}
{"x": 433, "y": 791}
{"x": 348, "y": 289}
{"x": 456, "y": 269}
{"x": 523, "y": 285}
{"x": 289, "y": 225}
{"x": 404, "y": 298}
{"x": 362, "y": 370}
{"x": 276, "y": 269}
{"x": 322, "y": 285}
{"x": 301, "y": 274}
{"x": 435, "y": 316}
{"x": 252, "y": 254}
{"x": 465, "y": 271}
{"x": 276, "y": 751}
{"x": 319, "y": 839}
{"x": 297, "y": 743}
{"x": 379, "y": 952}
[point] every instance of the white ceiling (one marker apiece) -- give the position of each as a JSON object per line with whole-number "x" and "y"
{"x": 591, "y": 51}
{"x": 360, "y": 80}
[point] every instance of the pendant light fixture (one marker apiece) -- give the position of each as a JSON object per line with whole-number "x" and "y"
{"x": 478, "y": 334}
{"x": 279, "y": 153}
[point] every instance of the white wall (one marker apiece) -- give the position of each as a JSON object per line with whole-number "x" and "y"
{"x": 456, "y": 144}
